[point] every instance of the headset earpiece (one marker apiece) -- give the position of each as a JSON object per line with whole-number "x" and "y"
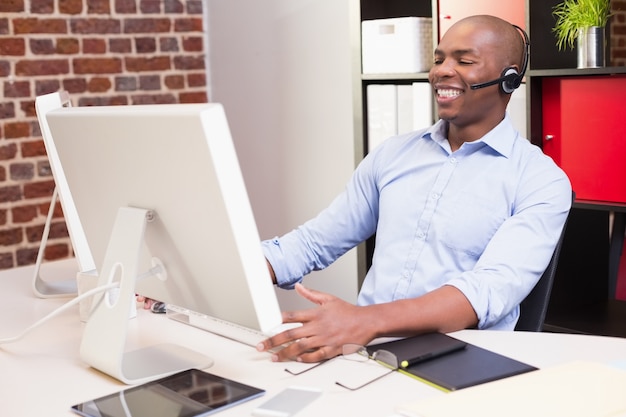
{"x": 510, "y": 80}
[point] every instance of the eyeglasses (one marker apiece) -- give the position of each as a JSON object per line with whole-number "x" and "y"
{"x": 359, "y": 353}
{"x": 298, "y": 368}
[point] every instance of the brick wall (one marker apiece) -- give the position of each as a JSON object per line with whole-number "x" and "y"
{"x": 103, "y": 52}
{"x": 618, "y": 33}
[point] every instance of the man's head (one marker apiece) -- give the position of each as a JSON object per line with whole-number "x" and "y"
{"x": 475, "y": 50}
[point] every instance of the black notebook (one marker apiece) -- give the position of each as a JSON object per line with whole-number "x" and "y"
{"x": 453, "y": 370}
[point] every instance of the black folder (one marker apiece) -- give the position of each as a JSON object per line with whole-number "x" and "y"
{"x": 454, "y": 370}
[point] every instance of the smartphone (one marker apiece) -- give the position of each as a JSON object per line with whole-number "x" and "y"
{"x": 287, "y": 402}
{"x": 190, "y": 393}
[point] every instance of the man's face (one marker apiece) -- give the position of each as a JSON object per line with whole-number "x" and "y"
{"x": 466, "y": 55}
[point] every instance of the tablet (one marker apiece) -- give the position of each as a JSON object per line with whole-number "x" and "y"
{"x": 191, "y": 393}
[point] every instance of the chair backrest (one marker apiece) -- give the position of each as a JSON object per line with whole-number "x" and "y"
{"x": 534, "y": 307}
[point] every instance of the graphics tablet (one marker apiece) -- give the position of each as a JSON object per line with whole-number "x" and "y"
{"x": 191, "y": 393}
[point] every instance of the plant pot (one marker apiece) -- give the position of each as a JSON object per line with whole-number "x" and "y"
{"x": 590, "y": 47}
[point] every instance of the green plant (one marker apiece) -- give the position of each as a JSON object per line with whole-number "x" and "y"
{"x": 574, "y": 14}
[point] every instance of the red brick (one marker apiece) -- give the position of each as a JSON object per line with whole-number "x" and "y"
{"x": 146, "y": 25}
{"x": 11, "y": 236}
{"x": 189, "y": 62}
{"x": 26, "y": 256}
{"x": 33, "y": 148}
{"x": 42, "y": 67}
{"x": 16, "y": 130}
{"x": 4, "y": 26}
{"x": 42, "y": 6}
{"x": 46, "y": 86}
{"x": 168, "y": 44}
{"x": 97, "y": 65}
{"x": 145, "y": 45}
{"x": 38, "y": 189}
{"x": 7, "y": 110}
{"x": 3, "y": 177}
{"x": 71, "y": 6}
{"x": 17, "y": 89}
{"x": 154, "y": 99}
{"x": 193, "y": 44}
{"x": 75, "y": 85}
{"x": 28, "y": 107}
{"x": 125, "y": 6}
{"x": 103, "y": 101}
{"x": 196, "y": 80}
{"x": 3, "y": 217}
{"x": 194, "y": 6}
{"x": 147, "y": 64}
{"x": 192, "y": 24}
{"x": 99, "y": 85}
{"x": 12, "y": 46}
{"x": 10, "y": 193}
{"x": 174, "y": 82}
{"x": 150, "y": 82}
{"x": 5, "y": 68}
{"x": 94, "y": 46}
{"x": 35, "y": 25}
{"x": 93, "y": 25}
{"x": 22, "y": 171}
{"x": 120, "y": 45}
{"x": 150, "y": 6}
{"x": 173, "y": 6}
{"x": 98, "y": 7}
{"x": 24, "y": 214}
{"x": 8, "y": 151}
{"x": 67, "y": 46}
{"x": 198, "y": 97}
{"x": 6, "y": 261}
{"x": 42, "y": 46}
{"x": 12, "y": 6}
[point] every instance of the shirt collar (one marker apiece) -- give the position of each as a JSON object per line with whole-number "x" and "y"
{"x": 500, "y": 138}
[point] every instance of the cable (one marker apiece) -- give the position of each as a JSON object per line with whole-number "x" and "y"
{"x": 155, "y": 270}
{"x": 59, "y": 310}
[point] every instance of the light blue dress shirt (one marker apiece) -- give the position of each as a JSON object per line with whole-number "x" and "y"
{"x": 484, "y": 219}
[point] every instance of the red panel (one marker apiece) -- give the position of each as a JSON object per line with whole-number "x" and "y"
{"x": 451, "y": 11}
{"x": 587, "y": 118}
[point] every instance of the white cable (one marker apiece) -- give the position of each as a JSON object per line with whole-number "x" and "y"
{"x": 152, "y": 271}
{"x": 59, "y": 310}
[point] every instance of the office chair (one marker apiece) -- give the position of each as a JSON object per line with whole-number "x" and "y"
{"x": 534, "y": 307}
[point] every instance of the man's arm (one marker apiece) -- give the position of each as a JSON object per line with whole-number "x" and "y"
{"x": 335, "y": 322}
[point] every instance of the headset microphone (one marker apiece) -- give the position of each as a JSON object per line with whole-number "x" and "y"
{"x": 510, "y": 79}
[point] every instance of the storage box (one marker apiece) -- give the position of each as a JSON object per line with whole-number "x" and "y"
{"x": 397, "y": 45}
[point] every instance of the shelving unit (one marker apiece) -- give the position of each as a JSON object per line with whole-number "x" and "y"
{"x": 583, "y": 296}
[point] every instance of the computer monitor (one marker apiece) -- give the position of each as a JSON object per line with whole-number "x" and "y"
{"x": 159, "y": 193}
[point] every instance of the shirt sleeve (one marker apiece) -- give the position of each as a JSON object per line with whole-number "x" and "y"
{"x": 518, "y": 253}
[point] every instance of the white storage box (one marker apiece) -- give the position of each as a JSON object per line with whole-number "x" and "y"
{"x": 397, "y": 45}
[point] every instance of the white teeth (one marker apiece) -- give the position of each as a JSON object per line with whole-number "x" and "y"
{"x": 448, "y": 93}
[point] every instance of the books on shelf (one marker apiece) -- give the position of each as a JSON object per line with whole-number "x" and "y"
{"x": 396, "y": 109}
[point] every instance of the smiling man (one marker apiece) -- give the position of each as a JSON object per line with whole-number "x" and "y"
{"x": 466, "y": 213}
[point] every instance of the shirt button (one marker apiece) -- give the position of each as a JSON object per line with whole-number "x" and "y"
{"x": 435, "y": 196}
{"x": 453, "y": 160}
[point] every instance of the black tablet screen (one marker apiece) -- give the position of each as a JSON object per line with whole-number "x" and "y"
{"x": 189, "y": 393}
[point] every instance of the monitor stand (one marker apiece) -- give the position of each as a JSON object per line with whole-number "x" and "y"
{"x": 104, "y": 337}
{"x": 41, "y": 287}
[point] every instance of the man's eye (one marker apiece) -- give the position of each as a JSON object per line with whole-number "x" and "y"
{"x": 465, "y": 62}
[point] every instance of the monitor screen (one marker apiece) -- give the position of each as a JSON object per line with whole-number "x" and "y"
{"x": 179, "y": 162}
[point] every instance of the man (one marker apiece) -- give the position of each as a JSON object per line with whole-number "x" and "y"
{"x": 466, "y": 214}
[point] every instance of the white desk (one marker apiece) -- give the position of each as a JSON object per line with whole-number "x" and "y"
{"x": 42, "y": 374}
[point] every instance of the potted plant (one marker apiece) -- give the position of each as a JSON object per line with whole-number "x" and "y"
{"x": 582, "y": 22}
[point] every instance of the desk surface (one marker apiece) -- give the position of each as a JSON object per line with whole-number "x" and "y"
{"x": 42, "y": 374}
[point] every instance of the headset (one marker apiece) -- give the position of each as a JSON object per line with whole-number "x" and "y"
{"x": 510, "y": 78}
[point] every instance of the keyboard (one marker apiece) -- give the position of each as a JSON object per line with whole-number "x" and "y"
{"x": 228, "y": 329}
